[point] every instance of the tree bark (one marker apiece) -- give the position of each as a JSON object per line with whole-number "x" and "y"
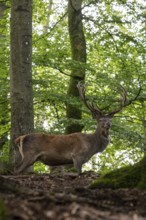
{"x": 4, "y": 94}
{"x": 22, "y": 121}
{"x": 78, "y": 49}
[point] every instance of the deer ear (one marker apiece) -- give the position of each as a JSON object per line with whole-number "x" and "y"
{"x": 96, "y": 115}
{"x": 111, "y": 115}
{"x": 93, "y": 116}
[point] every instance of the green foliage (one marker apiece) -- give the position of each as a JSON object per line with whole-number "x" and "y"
{"x": 115, "y": 39}
{"x": 40, "y": 168}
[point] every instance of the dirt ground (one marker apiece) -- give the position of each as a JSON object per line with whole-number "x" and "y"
{"x": 68, "y": 197}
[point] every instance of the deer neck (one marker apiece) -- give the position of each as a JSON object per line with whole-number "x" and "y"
{"x": 103, "y": 132}
{"x": 99, "y": 139}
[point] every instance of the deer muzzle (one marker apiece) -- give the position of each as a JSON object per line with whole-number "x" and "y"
{"x": 107, "y": 125}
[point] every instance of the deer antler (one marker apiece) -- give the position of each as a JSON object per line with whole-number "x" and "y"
{"x": 122, "y": 101}
{"x": 135, "y": 98}
{"x": 95, "y": 111}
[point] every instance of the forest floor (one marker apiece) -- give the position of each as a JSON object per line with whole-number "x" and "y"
{"x": 68, "y": 197}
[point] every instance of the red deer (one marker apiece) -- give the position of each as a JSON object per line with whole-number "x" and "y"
{"x": 75, "y": 148}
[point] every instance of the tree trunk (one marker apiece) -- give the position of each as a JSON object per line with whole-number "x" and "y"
{"x": 4, "y": 92}
{"x": 21, "y": 72}
{"x": 4, "y": 106}
{"x": 78, "y": 49}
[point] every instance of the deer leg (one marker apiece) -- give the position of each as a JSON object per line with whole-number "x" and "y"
{"x": 77, "y": 164}
{"x": 26, "y": 162}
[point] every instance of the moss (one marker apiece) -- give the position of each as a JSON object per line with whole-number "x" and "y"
{"x": 142, "y": 182}
{"x": 126, "y": 177}
{"x": 3, "y": 213}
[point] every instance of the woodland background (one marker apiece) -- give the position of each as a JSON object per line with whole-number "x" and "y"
{"x": 106, "y": 49}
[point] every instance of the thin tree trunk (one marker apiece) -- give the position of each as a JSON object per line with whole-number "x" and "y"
{"x": 4, "y": 94}
{"x": 78, "y": 49}
{"x": 21, "y": 72}
{"x": 4, "y": 107}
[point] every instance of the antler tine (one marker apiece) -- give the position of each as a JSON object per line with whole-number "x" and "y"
{"x": 137, "y": 95}
{"x": 126, "y": 103}
{"x": 123, "y": 101}
{"x": 81, "y": 89}
{"x": 123, "y": 96}
{"x": 90, "y": 106}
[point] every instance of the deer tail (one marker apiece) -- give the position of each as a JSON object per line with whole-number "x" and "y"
{"x": 19, "y": 143}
